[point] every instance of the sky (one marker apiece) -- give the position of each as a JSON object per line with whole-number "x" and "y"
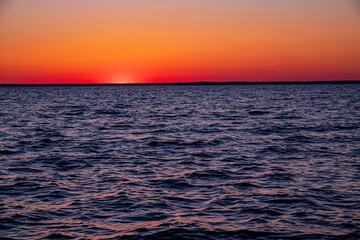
{"x": 152, "y": 41}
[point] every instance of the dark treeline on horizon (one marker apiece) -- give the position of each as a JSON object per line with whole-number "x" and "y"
{"x": 189, "y": 83}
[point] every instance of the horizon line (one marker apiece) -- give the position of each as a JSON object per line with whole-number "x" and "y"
{"x": 185, "y": 83}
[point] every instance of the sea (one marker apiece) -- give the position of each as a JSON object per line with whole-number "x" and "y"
{"x": 180, "y": 162}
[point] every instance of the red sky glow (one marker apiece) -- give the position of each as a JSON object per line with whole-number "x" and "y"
{"x": 158, "y": 41}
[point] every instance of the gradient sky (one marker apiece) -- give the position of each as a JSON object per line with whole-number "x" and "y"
{"x": 133, "y": 41}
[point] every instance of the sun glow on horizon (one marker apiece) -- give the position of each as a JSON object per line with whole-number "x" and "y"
{"x": 121, "y": 79}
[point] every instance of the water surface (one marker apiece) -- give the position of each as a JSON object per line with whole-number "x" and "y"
{"x": 185, "y": 162}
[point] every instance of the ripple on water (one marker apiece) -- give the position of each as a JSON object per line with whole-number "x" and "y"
{"x": 184, "y": 162}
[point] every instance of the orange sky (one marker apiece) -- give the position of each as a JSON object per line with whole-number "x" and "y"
{"x": 111, "y": 41}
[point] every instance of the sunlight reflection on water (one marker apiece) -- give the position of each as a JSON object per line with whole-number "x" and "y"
{"x": 185, "y": 161}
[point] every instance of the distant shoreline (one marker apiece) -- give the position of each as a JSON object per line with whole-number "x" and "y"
{"x": 188, "y": 83}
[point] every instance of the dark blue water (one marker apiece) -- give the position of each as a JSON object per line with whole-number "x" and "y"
{"x": 180, "y": 162}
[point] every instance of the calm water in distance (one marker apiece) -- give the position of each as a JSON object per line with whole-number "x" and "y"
{"x": 184, "y": 162}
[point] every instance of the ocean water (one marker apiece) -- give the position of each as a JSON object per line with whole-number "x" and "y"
{"x": 180, "y": 162}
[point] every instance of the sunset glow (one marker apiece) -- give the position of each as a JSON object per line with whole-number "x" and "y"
{"x": 148, "y": 41}
{"x": 121, "y": 79}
